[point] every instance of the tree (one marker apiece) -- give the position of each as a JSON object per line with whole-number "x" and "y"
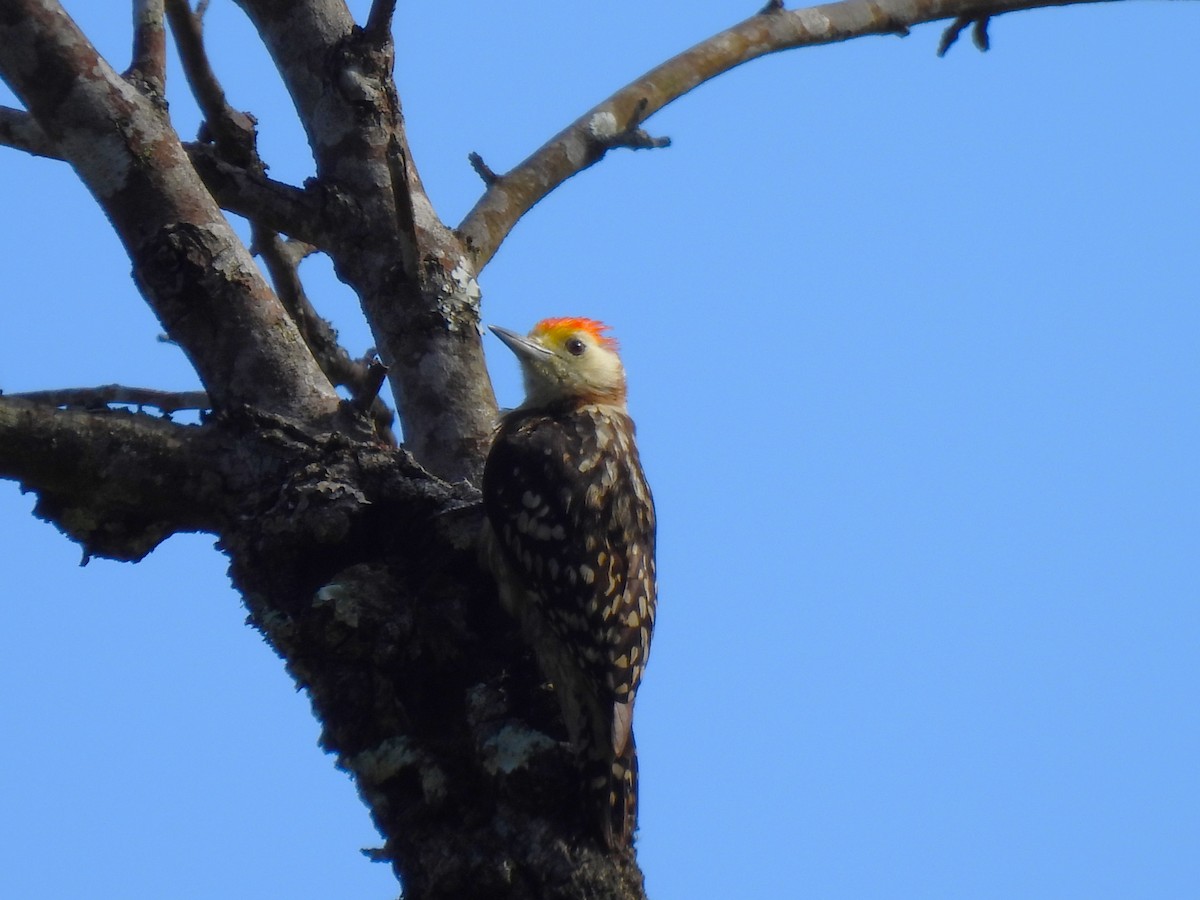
{"x": 356, "y": 560}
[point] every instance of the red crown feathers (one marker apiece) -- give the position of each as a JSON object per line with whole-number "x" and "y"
{"x": 560, "y": 327}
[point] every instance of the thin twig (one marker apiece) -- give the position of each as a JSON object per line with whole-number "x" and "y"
{"x": 950, "y": 35}
{"x": 979, "y": 33}
{"x": 482, "y": 169}
{"x": 295, "y": 251}
{"x": 108, "y": 394}
{"x": 574, "y": 148}
{"x": 236, "y": 142}
{"x": 318, "y": 334}
{"x": 633, "y": 136}
{"x": 282, "y": 259}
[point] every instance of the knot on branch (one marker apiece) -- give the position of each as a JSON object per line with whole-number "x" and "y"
{"x": 604, "y": 129}
{"x": 150, "y": 85}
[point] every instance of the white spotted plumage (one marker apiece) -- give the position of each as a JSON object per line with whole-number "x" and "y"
{"x": 571, "y": 539}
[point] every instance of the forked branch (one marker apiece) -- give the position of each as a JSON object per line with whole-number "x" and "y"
{"x": 414, "y": 279}
{"x": 281, "y": 207}
{"x": 235, "y": 142}
{"x": 188, "y": 262}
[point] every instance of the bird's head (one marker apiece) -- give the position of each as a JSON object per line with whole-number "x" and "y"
{"x": 567, "y": 359}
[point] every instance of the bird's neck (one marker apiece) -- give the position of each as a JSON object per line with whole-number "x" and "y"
{"x": 613, "y": 398}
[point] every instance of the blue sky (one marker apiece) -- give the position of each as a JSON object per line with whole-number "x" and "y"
{"x": 913, "y": 349}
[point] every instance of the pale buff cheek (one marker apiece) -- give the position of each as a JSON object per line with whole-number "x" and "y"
{"x": 598, "y": 370}
{"x": 603, "y": 368}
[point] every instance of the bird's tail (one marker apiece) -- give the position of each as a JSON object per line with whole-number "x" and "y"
{"x": 615, "y": 784}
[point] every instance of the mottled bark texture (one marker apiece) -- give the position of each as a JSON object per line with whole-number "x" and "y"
{"x": 361, "y": 570}
{"x": 356, "y": 559}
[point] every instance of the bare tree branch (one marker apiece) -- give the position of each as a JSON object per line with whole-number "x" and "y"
{"x": 278, "y": 206}
{"x": 192, "y": 269}
{"x": 108, "y": 394}
{"x": 236, "y": 142}
{"x": 149, "y": 64}
{"x": 585, "y": 141}
{"x": 364, "y": 378}
{"x": 19, "y": 130}
{"x": 296, "y": 251}
{"x": 412, "y": 274}
{"x": 234, "y": 131}
{"x": 117, "y": 482}
{"x": 379, "y": 21}
{"x": 297, "y": 212}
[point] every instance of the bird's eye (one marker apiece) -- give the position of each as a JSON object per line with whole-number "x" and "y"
{"x": 575, "y": 346}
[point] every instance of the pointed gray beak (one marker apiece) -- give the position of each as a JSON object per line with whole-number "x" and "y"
{"x": 520, "y": 345}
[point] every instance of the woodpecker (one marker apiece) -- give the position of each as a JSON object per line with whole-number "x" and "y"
{"x": 570, "y": 538}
